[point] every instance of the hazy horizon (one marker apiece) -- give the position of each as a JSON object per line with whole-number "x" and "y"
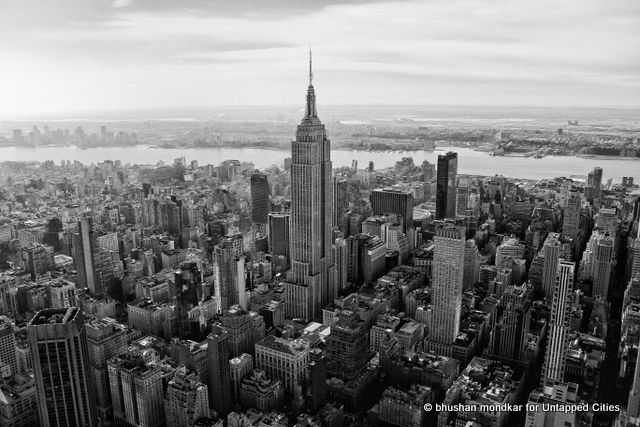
{"x": 258, "y": 112}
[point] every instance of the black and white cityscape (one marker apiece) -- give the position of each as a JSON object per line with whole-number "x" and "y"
{"x": 438, "y": 244}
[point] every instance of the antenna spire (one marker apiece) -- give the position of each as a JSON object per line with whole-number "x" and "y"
{"x": 310, "y": 68}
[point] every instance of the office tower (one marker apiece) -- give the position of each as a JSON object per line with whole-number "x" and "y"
{"x": 279, "y": 232}
{"x": 19, "y": 401}
{"x": 428, "y": 171}
{"x": 311, "y": 209}
{"x": 471, "y": 264}
{"x": 59, "y": 352}
{"x": 602, "y": 265}
{"x": 633, "y": 406}
{"x": 347, "y": 347}
{"x": 284, "y": 359}
{"x": 219, "y": 349}
{"x": 386, "y": 201}
{"x": 136, "y": 391}
{"x": 260, "y": 204}
{"x": 551, "y": 250}
{"x": 188, "y": 291}
{"x": 105, "y": 338}
{"x": 597, "y": 181}
{"x": 186, "y": 400}
{"x": 37, "y": 259}
{"x": 316, "y": 379}
{"x": 244, "y": 328}
{"x": 462, "y": 198}
{"x": 507, "y": 336}
{"x": 229, "y": 272}
{"x": 571, "y": 215}
{"x": 559, "y": 324}
{"x": 510, "y": 248}
{"x": 340, "y": 262}
{"x": 446, "y": 185}
{"x": 446, "y": 288}
{"x": 8, "y": 355}
{"x": 84, "y": 250}
{"x": 239, "y": 367}
{"x": 259, "y": 391}
{"x": 340, "y": 203}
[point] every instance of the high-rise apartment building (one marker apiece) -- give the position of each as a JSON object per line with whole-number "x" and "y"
{"x": 446, "y": 185}
{"x": 559, "y": 324}
{"x": 311, "y": 209}
{"x": 61, "y": 364}
{"x": 447, "y": 281}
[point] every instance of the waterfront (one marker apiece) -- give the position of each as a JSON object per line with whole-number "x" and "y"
{"x": 470, "y": 161}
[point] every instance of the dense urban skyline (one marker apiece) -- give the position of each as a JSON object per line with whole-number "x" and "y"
{"x": 313, "y": 292}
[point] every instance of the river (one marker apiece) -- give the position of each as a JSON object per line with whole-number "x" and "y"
{"x": 469, "y": 161}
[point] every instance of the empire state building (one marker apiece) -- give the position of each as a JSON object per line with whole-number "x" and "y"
{"x": 311, "y": 279}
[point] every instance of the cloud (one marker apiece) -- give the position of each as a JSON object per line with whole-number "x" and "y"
{"x": 121, "y": 3}
{"x": 458, "y": 51}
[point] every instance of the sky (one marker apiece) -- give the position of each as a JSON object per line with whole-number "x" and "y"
{"x": 100, "y": 55}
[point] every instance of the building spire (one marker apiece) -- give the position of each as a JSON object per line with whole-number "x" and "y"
{"x": 310, "y": 68}
{"x": 310, "y": 110}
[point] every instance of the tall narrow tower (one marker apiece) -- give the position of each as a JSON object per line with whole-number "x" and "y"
{"x": 446, "y": 185}
{"x": 311, "y": 209}
{"x": 59, "y": 351}
{"x": 559, "y": 324}
{"x": 448, "y": 273}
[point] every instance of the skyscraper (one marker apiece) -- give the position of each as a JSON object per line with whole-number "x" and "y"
{"x": 448, "y": 270}
{"x": 85, "y": 247}
{"x": 186, "y": 400}
{"x": 446, "y": 185}
{"x": 340, "y": 203}
{"x": 571, "y": 215}
{"x": 311, "y": 208}
{"x": 188, "y": 291}
{"x": 551, "y": 249}
{"x": 391, "y": 201}
{"x": 559, "y": 324}
{"x": 219, "y": 349}
{"x": 105, "y": 339}
{"x": 229, "y": 272}
{"x": 59, "y": 353}
{"x": 8, "y": 355}
{"x": 260, "y": 205}
{"x": 602, "y": 265}
{"x": 279, "y": 233}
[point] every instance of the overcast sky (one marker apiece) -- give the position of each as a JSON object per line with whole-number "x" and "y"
{"x": 92, "y": 55}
